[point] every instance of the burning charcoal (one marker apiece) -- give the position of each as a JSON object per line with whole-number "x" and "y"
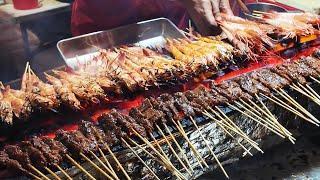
{"x": 35, "y": 155}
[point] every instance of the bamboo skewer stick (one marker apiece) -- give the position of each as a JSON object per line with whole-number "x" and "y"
{"x": 173, "y": 151}
{"x": 63, "y": 172}
{"x": 96, "y": 167}
{"x": 181, "y": 130}
{"x": 143, "y": 162}
{"x": 80, "y": 167}
{"x": 207, "y": 144}
{"x": 167, "y": 163}
{"x": 108, "y": 164}
{"x": 52, "y": 173}
{"x": 34, "y": 176}
{"x": 104, "y": 165}
{"x": 295, "y": 103}
{"x": 143, "y": 149}
{"x": 272, "y": 119}
{"x": 179, "y": 174}
{"x": 306, "y": 93}
{"x": 231, "y": 124}
{"x": 313, "y": 92}
{"x": 316, "y": 80}
{"x": 179, "y": 147}
{"x": 194, "y": 150}
{"x": 259, "y": 122}
{"x": 38, "y": 172}
{"x": 220, "y": 124}
{"x": 267, "y": 121}
{"x": 117, "y": 161}
{"x": 283, "y": 129}
{"x": 287, "y": 107}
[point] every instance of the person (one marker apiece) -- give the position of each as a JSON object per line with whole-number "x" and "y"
{"x": 94, "y": 15}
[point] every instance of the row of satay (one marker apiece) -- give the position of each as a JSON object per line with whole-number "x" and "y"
{"x": 112, "y": 72}
{"x": 165, "y": 109}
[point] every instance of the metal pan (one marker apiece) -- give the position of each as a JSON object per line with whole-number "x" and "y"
{"x": 151, "y": 33}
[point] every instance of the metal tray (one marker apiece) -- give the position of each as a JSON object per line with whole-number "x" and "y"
{"x": 151, "y": 33}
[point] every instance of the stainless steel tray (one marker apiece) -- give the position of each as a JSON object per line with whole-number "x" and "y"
{"x": 151, "y": 33}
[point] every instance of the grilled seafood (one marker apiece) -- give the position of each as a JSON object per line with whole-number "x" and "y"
{"x": 66, "y": 96}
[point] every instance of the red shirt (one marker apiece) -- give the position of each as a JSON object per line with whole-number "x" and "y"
{"x": 94, "y": 15}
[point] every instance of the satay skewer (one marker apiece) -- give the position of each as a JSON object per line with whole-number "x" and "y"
{"x": 165, "y": 160}
{"x": 180, "y": 175}
{"x": 233, "y": 127}
{"x": 108, "y": 163}
{"x": 52, "y": 173}
{"x": 297, "y": 105}
{"x": 117, "y": 161}
{"x": 63, "y": 172}
{"x": 179, "y": 147}
{"x": 210, "y": 149}
{"x": 38, "y": 171}
{"x": 254, "y": 119}
{"x": 80, "y": 167}
{"x": 194, "y": 150}
{"x": 287, "y": 107}
{"x": 104, "y": 165}
{"x": 96, "y": 167}
{"x": 142, "y": 161}
{"x": 220, "y": 124}
{"x": 173, "y": 151}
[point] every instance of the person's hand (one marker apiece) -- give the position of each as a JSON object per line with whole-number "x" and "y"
{"x": 206, "y": 13}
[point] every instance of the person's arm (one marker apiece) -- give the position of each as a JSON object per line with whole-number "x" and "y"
{"x": 205, "y": 13}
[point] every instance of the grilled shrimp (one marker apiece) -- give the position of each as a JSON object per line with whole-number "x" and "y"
{"x": 84, "y": 88}
{"x": 6, "y": 111}
{"x": 291, "y": 25}
{"x": 66, "y": 96}
{"x": 37, "y": 86}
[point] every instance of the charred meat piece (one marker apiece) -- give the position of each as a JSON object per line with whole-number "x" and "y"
{"x": 127, "y": 123}
{"x": 231, "y": 90}
{"x": 252, "y": 86}
{"x": 152, "y": 114}
{"x": 313, "y": 63}
{"x": 35, "y": 155}
{"x": 109, "y": 126}
{"x": 48, "y": 152}
{"x": 220, "y": 99}
{"x": 197, "y": 104}
{"x": 161, "y": 106}
{"x": 316, "y": 53}
{"x": 168, "y": 101}
{"x": 75, "y": 142}
{"x": 182, "y": 103}
{"x": 207, "y": 97}
{"x": 15, "y": 152}
{"x": 136, "y": 114}
{"x": 58, "y": 150}
{"x": 269, "y": 79}
{"x": 290, "y": 73}
{"x": 11, "y": 164}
